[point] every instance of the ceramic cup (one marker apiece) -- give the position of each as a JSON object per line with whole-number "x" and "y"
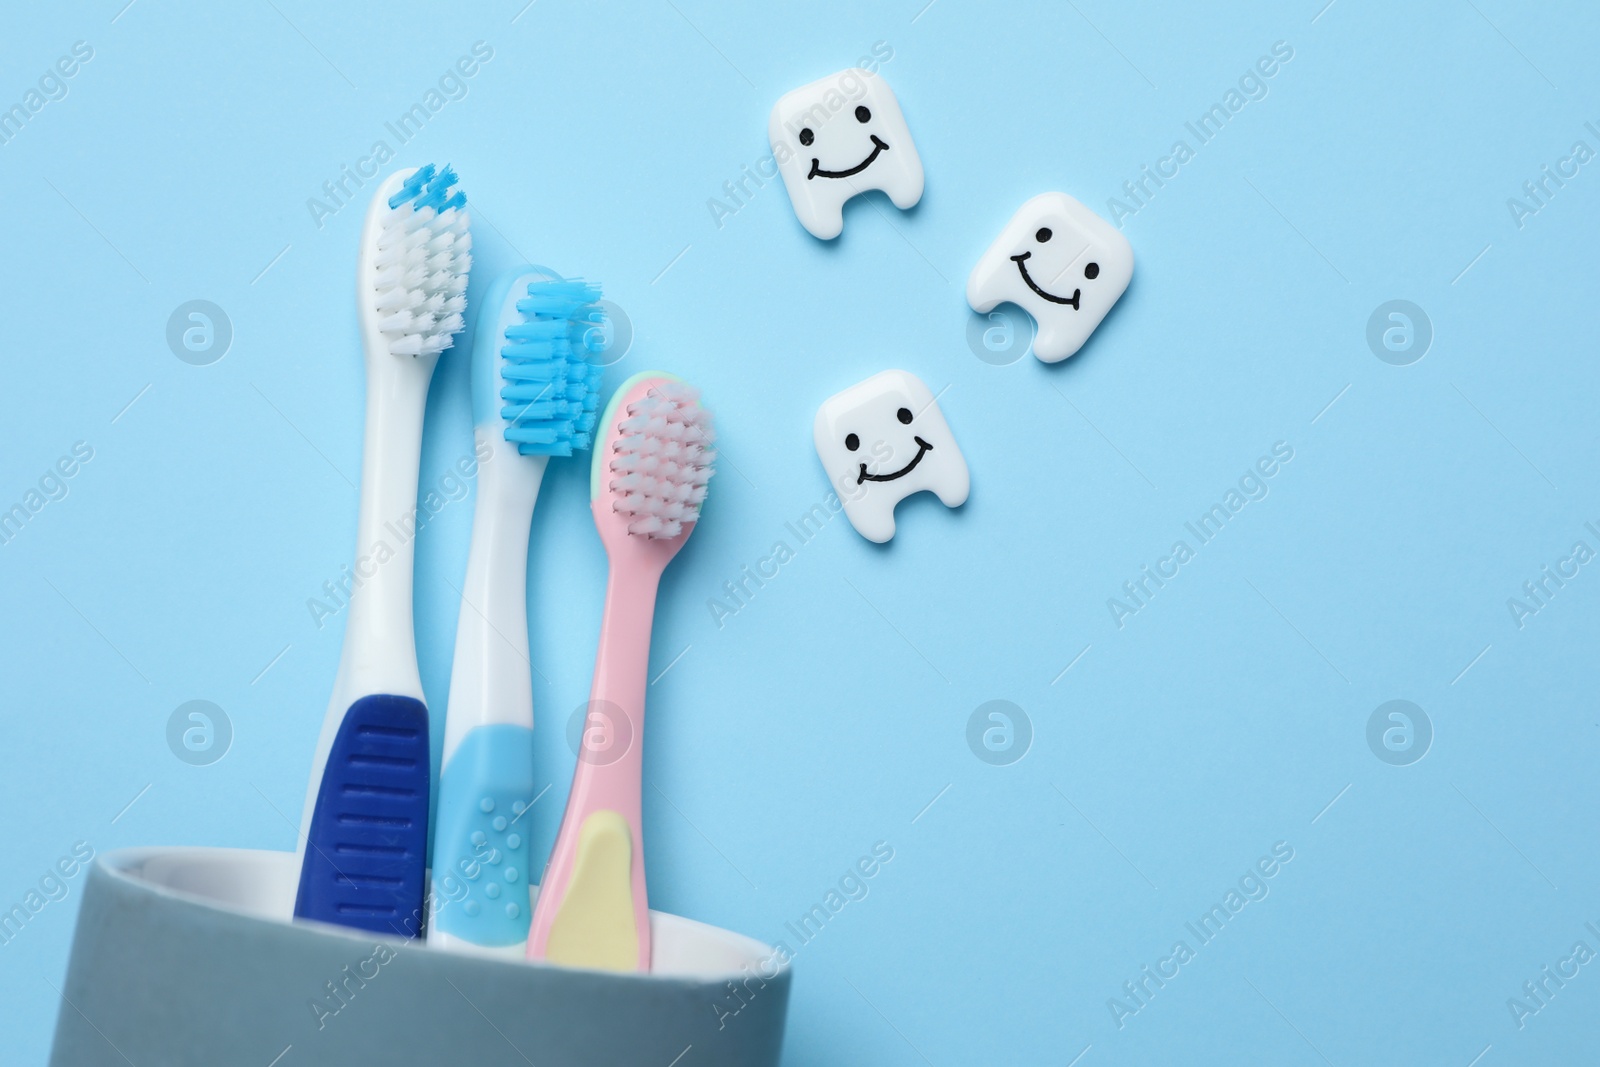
{"x": 187, "y": 957}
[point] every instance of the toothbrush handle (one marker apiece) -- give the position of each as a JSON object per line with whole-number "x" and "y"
{"x": 480, "y": 845}
{"x": 367, "y": 835}
{"x": 380, "y": 649}
{"x": 606, "y": 783}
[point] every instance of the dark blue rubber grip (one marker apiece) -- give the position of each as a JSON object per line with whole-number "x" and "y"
{"x": 366, "y": 849}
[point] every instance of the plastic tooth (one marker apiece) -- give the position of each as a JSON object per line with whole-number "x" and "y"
{"x": 409, "y": 345}
{"x": 452, "y": 324}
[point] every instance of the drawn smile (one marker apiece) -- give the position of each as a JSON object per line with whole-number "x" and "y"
{"x": 923, "y": 448}
{"x": 818, "y": 172}
{"x": 1022, "y": 266}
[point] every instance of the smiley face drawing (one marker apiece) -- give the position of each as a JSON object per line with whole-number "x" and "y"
{"x": 1059, "y": 262}
{"x": 838, "y": 137}
{"x": 882, "y": 440}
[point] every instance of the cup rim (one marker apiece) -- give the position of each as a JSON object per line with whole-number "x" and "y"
{"x": 153, "y": 869}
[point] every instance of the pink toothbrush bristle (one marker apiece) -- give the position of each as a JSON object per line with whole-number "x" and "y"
{"x": 662, "y": 461}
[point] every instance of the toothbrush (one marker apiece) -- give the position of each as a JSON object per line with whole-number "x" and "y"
{"x": 534, "y": 395}
{"x": 363, "y": 849}
{"x": 646, "y": 485}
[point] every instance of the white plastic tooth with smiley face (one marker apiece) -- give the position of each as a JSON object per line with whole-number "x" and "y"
{"x": 1059, "y": 262}
{"x": 838, "y": 137}
{"x": 882, "y": 440}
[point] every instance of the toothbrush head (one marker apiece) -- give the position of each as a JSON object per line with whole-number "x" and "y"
{"x": 415, "y": 254}
{"x": 531, "y": 370}
{"x": 649, "y": 477}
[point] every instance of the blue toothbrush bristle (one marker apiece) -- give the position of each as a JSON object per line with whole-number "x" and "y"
{"x": 430, "y": 187}
{"x": 552, "y": 388}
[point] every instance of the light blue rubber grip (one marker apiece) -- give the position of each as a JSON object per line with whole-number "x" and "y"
{"x": 480, "y": 843}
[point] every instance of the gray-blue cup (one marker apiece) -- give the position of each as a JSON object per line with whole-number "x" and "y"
{"x": 187, "y": 958}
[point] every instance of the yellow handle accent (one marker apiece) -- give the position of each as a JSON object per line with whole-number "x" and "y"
{"x": 594, "y": 925}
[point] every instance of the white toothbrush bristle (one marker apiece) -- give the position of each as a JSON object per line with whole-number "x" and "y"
{"x": 662, "y": 461}
{"x": 421, "y": 262}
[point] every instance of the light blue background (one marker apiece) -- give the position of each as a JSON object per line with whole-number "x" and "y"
{"x": 828, "y": 713}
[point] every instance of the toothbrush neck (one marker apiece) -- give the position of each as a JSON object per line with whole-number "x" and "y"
{"x": 380, "y": 652}
{"x": 622, "y": 660}
{"x": 491, "y": 680}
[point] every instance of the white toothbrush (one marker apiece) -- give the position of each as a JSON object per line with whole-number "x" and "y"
{"x": 363, "y": 851}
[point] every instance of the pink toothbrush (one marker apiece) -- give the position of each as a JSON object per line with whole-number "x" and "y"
{"x": 646, "y": 485}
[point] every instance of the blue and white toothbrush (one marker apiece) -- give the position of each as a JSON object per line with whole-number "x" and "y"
{"x": 534, "y": 395}
{"x": 363, "y": 851}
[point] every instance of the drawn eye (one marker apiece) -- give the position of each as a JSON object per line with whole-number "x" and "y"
{"x": 863, "y": 115}
{"x": 1043, "y": 235}
{"x": 806, "y": 136}
{"x": 852, "y": 442}
{"x": 904, "y": 415}
{"x": 1091, "y": 271}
